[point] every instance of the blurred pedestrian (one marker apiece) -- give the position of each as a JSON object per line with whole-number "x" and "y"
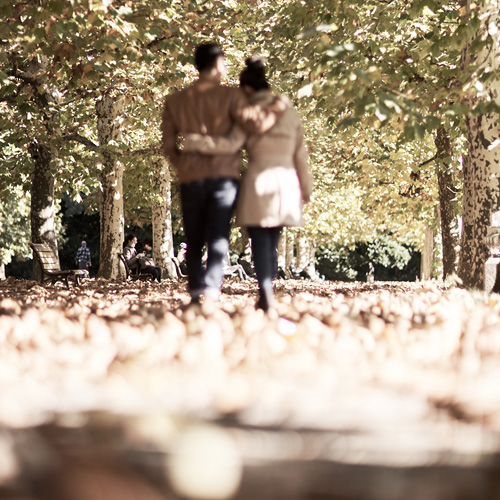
{"x": 83, "y": 258}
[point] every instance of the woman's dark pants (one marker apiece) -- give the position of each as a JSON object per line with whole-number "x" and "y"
{"x": 265, "y": 255}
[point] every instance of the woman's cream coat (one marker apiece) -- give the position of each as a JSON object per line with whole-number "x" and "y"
{"x": 277, "y": 180}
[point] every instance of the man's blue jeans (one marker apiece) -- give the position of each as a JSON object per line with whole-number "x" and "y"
{"x": 207, "y": 208}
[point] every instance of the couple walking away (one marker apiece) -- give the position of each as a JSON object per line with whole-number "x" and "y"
{"x": 215, "y": 122}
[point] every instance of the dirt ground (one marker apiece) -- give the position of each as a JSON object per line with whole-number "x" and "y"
{"x": 356, "y": 390}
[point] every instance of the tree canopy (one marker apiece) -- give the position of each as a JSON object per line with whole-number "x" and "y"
{"x": 372, "y": 80}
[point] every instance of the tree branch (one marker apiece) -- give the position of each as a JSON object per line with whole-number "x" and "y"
{"x": 152, "y": 151}
{"x": 427, "y": 161}
{"x": 24, "y": 76}
{"x": 8, "y": 98}
{"x": 81, "y": 139}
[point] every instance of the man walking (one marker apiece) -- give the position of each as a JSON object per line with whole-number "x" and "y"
{"x": 83, "y": 260}
{"x": 208, "y": 184}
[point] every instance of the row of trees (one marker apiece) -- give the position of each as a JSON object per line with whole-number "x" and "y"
{"x": 399, "y": 101}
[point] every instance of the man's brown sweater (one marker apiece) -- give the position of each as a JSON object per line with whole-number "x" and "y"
{"x": 204, "y": 107}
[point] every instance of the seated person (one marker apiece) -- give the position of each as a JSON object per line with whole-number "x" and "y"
{"x": 181, "y": 257}
{"x": 138, "y": 262}
{"x": 180, "y": 262}
{"x": 234, "y": 270}
{"x": 245, "y": 261}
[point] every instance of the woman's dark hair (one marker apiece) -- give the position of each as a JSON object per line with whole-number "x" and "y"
{"x": 129, "y": 238}
{"x": 206, "y": 55}
{"x": 254, "y": 75}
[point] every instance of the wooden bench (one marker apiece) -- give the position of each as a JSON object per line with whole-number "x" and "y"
{"x": 51, "y": 269}
{"x": 134, "y": 276}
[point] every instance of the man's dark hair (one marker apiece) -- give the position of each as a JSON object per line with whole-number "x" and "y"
{"x": 206, "y": 55}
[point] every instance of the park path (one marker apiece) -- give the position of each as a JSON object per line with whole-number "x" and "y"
{"x": 384, "y": 390}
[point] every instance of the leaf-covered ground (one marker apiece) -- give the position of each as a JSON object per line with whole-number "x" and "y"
{"x": 405, "y": 373}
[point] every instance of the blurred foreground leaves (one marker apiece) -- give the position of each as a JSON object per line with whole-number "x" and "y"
{"x": 127, "y": 347}
{"x": 118, "y": 389}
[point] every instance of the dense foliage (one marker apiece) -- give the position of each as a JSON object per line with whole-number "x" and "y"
{"x": 372, "y": 80}
{"x": 391, "y": 261}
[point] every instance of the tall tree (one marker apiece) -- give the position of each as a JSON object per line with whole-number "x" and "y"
{"x": 29, "y": 85}
{"x": 372, "y": 80}
{"x": 481, "y": 173}
{"x": 163, "y": 245}
{"x": 109, "y": 110}
{"x": 447, "y": 194}
{"x": 391, "y": 65}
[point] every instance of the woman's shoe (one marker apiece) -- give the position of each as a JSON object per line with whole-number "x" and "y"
{"x": 266, "y": 300}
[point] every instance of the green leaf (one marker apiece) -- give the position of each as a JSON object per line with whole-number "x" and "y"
{"x": 409, "y": 132}
{"x": 321, "y": 28}
{"x": 382, "y": 112}
{"x": 347, "y": 122}
{"x": 391, "y": 102}
{"x": 419, "y": 131}
{"x": 456, "y": 110}
{"x": 56, "y": 6}
{"x": 432, "y": 122}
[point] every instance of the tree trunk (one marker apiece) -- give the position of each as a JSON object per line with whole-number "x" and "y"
{"x": 245, "y": 244}
{"x": 43, "y": 213}
{"x": 481, "y": 175}
{"x": 42, "y": 201}
{"x": 282, "y": 253}
{"x": 111, "y": 194}
{"x": 427, "y": 254}
{"x": 449, "y": 222}
{"x": 290, "y": 246}
{"x": 478, "y": 201}
{"x": 286, "y": 251}
{"x": 163, "y": 244}
{"x": 2, "y": 271}
{"x": 305, "y": 254}
{"x": 312, "y": 259}
{"x": 303, "y": 251}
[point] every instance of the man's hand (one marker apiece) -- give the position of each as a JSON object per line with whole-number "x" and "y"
{"x": 280, "y": 104}
{"x": 197, "y": 143}
{"x": 257, "y": 120}
{"x": 251, "y": 113}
